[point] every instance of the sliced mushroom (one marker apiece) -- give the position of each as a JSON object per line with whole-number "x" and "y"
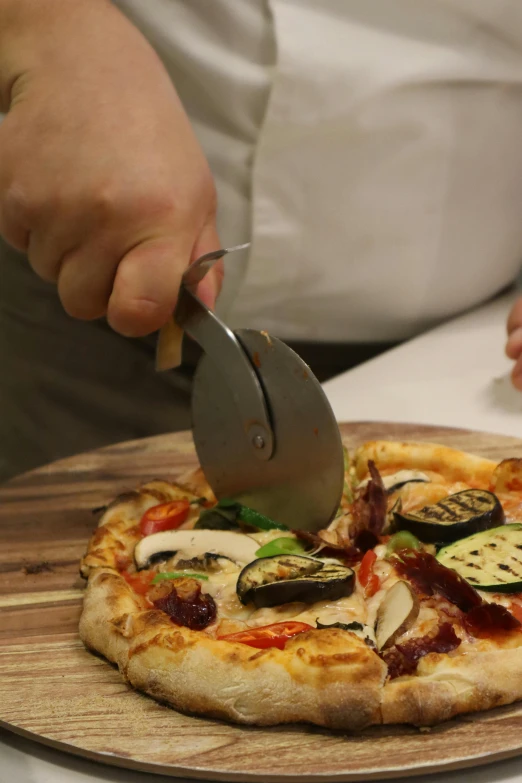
{"x": 397, "y": 612}
{"x": 239, "y": 548}
{"x": 270, "y": 581}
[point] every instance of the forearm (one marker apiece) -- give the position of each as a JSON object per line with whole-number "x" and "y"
{"x": 34, "y": 32}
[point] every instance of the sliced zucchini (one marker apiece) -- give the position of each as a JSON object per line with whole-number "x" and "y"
{"x": 454, "y": 517}
{"x": 270, "y": 581}
{"x": 491, "y": 560}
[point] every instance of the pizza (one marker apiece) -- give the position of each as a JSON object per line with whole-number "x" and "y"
{"x": 406, "y": 608}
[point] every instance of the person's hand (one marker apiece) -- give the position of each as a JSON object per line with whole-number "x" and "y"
{"x": 102, "y": 181}
{"x": 514, "y": 342}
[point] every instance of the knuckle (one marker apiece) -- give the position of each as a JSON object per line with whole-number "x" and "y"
{"x": 18, "y": 205}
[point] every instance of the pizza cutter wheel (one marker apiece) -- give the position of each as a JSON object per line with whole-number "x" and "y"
{"x": 264, "y": 431}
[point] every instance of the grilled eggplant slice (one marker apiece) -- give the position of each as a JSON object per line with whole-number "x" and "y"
{"x": 270, "y": 581}
{"x": 491, "y": 560}
{"x": 454, "y": 517}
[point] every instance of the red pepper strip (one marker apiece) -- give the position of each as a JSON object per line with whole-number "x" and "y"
{"x": 165, "y": 516}
{"x": 140, "y": 582}
{"x": 367, "y": 578}
{"x": 274, "y": 635}
{"x": 516, "y": 610}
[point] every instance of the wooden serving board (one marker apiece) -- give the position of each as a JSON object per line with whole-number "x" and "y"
{"x": 54, "y": 691}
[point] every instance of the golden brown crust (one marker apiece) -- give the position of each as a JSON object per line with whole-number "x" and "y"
{"x": 330, "y": 677}
{"x": 452, "y": 464}
{"x": 113, "y": 542}
{"x": 445, "y": 686}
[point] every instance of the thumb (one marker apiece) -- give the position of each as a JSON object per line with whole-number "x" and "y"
{"x": 146, "y": 286}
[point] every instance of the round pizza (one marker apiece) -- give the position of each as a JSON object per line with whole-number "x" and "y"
{"x": 406, "y": 608}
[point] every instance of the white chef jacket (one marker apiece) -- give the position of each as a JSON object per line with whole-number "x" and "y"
{"x": 370, "y": 149}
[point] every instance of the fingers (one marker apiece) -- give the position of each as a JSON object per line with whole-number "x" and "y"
{"x": 514, "y": 342}
{"x": 85, "y": 282}
{"x": 514, "y": 330}
{"x": 146, "y": 286}
{"x": 516, "y": 374}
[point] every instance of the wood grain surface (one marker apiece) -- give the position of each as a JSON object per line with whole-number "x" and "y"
{"x": 54, "y": 691}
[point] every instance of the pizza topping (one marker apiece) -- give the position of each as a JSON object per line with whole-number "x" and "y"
{"x": 430, "y": 576}
{"x": 367, "y": 579}
{"x": 507, "y": 476}
{"x": 396, "y": 614}
{"x": 165, "y": 516}
{"x": 177, "y": 575}
{"x": 402, "y": 540}
{"x": 454, "y": 517}
{"x": 370, "y": 506}
{"x": 491, "y": 561}
{"x": 274, "y": 635}
{"x": 354, "y": 626}
{"x": 282, "y": 579}
{"x": 345, "y": 551}
{"x": 229, "y": 515}
{"x": 364, "y": 632}
{"x": 194, "y": 543}
{"x": 140, "y": 582}
{"x": 403, "y": 658}
{"x": 395, "y": 481}
{"x": 281, "y": 546}
{"x": 184, "y": 603}
{"x": 490, "y": 619}
{"x": 209, "y": 561}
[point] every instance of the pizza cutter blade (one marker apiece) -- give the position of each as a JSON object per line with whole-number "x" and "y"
{"x": 264, "y": 431}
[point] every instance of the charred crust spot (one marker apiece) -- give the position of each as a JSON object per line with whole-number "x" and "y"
{"x": 174, "y": 642}
{"x": 37, "y": 568}
{"x": 144, "y": 646}
{"x": 125, "y": 497}
{"x": 258, "y": 654}
{"x": 156, "y": 494}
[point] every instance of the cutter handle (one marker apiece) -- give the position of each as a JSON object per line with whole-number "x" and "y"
{"x": 224, "y": 349}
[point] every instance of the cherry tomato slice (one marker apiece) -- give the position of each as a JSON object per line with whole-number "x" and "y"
{"x": 274, "y": 635}
{"x": 165, "y": 516}
{"x": 367, "y": 578}
{"x": 140, "y": 582}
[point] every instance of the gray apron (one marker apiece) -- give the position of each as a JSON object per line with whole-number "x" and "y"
{"x": 67, "y": 386}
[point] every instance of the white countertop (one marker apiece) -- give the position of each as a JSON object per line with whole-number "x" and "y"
{"x": 455, "y": 375}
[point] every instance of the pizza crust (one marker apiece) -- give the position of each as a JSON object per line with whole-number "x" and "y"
{"x": 452, "y": 464}
{"x": 329, "y": 678}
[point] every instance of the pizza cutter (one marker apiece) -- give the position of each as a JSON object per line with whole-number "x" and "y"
{"x": 264, "y": 431}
